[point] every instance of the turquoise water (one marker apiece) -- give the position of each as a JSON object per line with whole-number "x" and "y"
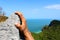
{"x": 36, "y": 25}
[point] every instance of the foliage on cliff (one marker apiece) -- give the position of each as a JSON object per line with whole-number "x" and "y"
{"x": 37, "y": 36}
{"x": 3, "y": 18}
{"x": 50, "y": 32}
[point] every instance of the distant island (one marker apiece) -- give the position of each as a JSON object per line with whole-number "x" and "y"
{"x": 49, "y": 32}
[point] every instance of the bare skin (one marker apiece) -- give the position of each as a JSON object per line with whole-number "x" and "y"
{"x": 23, "y": 27}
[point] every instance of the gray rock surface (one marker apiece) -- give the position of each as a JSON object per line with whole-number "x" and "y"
{"x": 8, "y": 31}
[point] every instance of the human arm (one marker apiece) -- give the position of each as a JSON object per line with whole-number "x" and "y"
{"x": 23, "y": 27}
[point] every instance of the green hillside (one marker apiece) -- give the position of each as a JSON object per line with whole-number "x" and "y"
{"x": 50, "y": 32}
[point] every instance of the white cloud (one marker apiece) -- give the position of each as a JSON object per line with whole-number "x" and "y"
{"x": 57, "y": 6}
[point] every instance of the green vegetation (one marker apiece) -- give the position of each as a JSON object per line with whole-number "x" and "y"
{"x": 3, "y": 18}
{"x": 50, "y": 32}
{"x": 38, "y": 36}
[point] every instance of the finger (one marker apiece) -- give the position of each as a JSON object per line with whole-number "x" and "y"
{"x": 17, "y": 25}
{"x": 21, "y": 17}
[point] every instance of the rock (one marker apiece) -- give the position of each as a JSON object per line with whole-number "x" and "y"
{"x": 8, "y": 31}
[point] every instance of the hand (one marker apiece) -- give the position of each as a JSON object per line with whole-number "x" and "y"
{"x": 23, "y": 27}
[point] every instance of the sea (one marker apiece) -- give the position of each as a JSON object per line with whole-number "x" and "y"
{"x": 36, "y": 25}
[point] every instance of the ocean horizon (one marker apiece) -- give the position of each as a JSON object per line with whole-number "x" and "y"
{"x": 36, "y": 25}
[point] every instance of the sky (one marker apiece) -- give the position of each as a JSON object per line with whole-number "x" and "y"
{"x": 32, "y": 9}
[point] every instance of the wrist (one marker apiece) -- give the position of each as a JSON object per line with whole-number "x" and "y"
{"x": 25, "y": 31}
{"x": 28, "y": 35}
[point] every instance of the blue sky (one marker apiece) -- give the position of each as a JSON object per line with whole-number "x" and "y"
{"x": 33, "y": 9}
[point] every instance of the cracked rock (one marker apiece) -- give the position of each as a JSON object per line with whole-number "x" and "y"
{"x": 8, "y": 31}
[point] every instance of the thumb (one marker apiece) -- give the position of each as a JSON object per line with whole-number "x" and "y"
{"x": 17, "y": 25}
